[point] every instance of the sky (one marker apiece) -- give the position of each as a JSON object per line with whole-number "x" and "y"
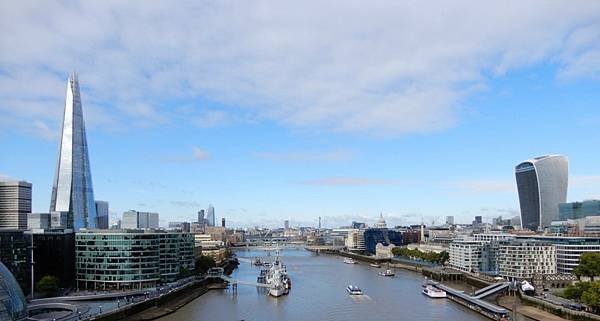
{"x": 275, "y": 110}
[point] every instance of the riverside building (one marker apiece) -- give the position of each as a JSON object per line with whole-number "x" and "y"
{"x": 568, "y": 249}
{"x": 132, "y": 259}
{"x": 522, "y": 259}
{"x": 469, "y": 256}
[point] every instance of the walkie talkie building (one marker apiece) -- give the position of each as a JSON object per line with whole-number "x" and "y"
{"x": 72, "y": 192}
{"x": 542, "y": 183}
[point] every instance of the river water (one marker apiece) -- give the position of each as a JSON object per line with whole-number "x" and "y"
{"x": 318, "y": 294}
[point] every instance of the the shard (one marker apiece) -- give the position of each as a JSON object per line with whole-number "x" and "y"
{"x": 72, "y": 192}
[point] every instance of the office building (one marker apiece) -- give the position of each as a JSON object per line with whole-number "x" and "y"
{"x": 15, "y": 204}
{"x": 576, "y": 210}
{"x": 14, "y": 254}
{"x": 112, "y": 259}
{"x": 478, "y": 220}
{"x": 286, "y": 224}
{"x": 54, "y": 254}
{"x": 139, "y": 220}
{"x": 493, "y": 237}
{"x": 38, "y": 221}
{"x": 210, "y": 216}
{"x": 522, "y": 259}
{"x": 542, "y": 184}
{"x": 373, "y": 236}
{"x": 183, "y": 226}
{"x": 72, "y": 191}
{"x": 201, "y": 217}
{"x": 102, "y": 215}
{"x": 13, "y": 306}
{"x": 449, "y": 220}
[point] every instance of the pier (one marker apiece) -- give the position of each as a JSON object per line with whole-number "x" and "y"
{"x": 476, "y": 303}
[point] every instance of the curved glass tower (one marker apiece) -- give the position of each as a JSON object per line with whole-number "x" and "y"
{"x": 12, "y": 301}
{"x": 542, "y": 183}
{"x": 72, "y": 191}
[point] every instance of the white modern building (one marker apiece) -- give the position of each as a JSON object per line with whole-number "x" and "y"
{"x": 522, "y": 259}
{"x": 468, "y": 256}
{"x": 355, "y": 240}
{"x": 15, "y": 204}
{"x": 568, "y": 249}
{"x": 542, "y": 184}
{"x": 493, "y": 237}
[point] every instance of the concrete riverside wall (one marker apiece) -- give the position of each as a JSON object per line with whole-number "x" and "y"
{"x": 559, "y": 310}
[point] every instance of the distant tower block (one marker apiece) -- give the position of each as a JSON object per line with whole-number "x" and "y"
{"x": 223, "y": 222}
{"x": 319, "y": 222}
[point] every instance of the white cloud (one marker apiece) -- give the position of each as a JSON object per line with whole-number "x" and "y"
{"x": 200, "y": 154}
{"x": 384, "y": 68}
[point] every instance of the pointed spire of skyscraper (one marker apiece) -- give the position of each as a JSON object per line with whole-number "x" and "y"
{"x": 72, "y": 191}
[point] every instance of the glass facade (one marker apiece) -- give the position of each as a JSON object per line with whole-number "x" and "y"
{"x": 117, "y": 260}
{"x": 577, "y": 210}
{"x": 12, "y": 301}
{"x": 381, "y": 235}
{"x": 14, "y": 255}
{"x": 72, "y": 191}
{"x": 542, "y": 183}
{"x": 529, "y": 197}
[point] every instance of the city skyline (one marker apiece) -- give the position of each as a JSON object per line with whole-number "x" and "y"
{"x": 342, "y": 123}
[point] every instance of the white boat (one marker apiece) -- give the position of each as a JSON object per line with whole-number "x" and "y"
{"x": 435, "y": 293}
{"x": 349, "y": 261}
{"x": 375, "y": 265}
{"x": 387, "y": 272}
{"x": 354, "y": 290}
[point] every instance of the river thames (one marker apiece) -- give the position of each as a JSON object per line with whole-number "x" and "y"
{"x": 318, "y": 293}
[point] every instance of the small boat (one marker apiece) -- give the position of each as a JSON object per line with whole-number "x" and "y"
{"x": 375, "y": 265}
{"x": 354, "y": 290}
{"x": 349, "y": 261}
{"x": 435, "y": 293}
{"x": 387, "y": 272}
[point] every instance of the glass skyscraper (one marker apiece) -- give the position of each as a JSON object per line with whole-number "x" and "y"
{"x": 72, "y": 191}
{"x": 542, "y": 183}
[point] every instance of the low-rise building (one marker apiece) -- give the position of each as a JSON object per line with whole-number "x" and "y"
{"x": 383, "y": 251}
{"x": 568, "y": 249}
{"x": 131, "y": 259}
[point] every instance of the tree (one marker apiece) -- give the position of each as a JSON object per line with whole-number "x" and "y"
{"x": 443, "y": 257}
{"x": 589, "y": 265}
{"x": 591, "y": 296}
{"x": 48, "y": 285}
{"x": 575, "y": 291}
{"x": 203, "y": 263}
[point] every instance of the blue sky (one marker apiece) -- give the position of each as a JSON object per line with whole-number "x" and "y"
{"x": 273, "y": 111}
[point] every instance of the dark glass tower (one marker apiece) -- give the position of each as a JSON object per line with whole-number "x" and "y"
{"x": 72, "y": 191}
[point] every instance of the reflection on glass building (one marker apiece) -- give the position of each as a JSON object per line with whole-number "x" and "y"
{"x": 383, "y": 236}
{"x": 542, "y": 183}
{"x": 72, "y": 191}
{"x": 12, "y": 301}
{"x": 132, "y": 259}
